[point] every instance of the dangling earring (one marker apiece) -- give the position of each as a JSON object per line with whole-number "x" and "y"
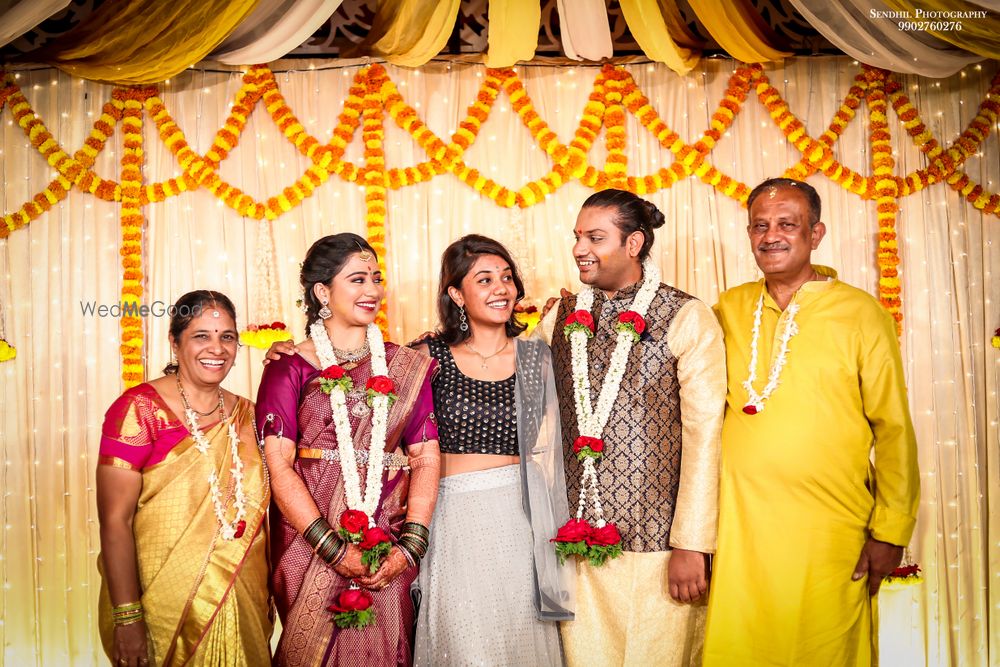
{"x": 325, "y": 312}
{"x": 463, "y": 320}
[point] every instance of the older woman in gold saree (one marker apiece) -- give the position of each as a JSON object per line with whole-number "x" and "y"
{"x": 182, "y": 495}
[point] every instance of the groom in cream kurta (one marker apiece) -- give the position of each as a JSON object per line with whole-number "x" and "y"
{"x": 658, "y": 477}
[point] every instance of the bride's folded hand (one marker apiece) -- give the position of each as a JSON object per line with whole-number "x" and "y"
{"x": 392, "y": 566}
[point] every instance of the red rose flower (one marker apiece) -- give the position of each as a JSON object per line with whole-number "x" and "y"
{"x": 574, "y": 530}
{"x": 380, "y": 384}
{"x": 595, "y": 444}
{"x": 372, "y": 538}
{"x": 353, "y": 599}
{"x": 633, "y": 318}
{"x": 334, "y": 372}
{"x": 604, "y": 537}
{"x": 278, "y": 325}
{"x": 750, "y": 409}
{"x": 581, "y": 317}
{"x": 241, "y": 527}
{"x": 353, "y": 521}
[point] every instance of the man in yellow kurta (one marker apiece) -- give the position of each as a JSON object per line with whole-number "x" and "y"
{"x": 658, "y": 476}
{"x": 807, "y": 527}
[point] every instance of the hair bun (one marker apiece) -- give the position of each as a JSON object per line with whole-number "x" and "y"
{"x": 654, "y": 216}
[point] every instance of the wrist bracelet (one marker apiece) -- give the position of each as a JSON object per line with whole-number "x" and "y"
{"x": 338, "y": 555}
{"x": 410, "y": 558}
{"x": 412, "y": 549}
{"x": 329, "y": 547}
{"x": 416, "y": 545}
{"x": 417, "y": 529}
{"x": 129, "y": 621}
{"x": 316, "y": 530}
{"x": 323, "y": 540}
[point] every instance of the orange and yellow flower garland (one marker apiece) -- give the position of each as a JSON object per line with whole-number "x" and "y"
{"x": 886, "y": 192}
{"x": 130, "y": 101}
{"x": 72, "y": 171}
{"x": 944, "y": 164}
{"x": 372, "y": 133}
{"x": 614, "y": 91}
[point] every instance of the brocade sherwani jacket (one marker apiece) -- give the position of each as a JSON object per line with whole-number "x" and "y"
{"x": 659, "y": 474}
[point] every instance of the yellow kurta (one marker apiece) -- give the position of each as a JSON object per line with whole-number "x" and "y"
{"x": 796, "y": 498}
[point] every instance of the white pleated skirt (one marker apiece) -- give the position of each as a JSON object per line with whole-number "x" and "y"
{"x": 477, "y": 580}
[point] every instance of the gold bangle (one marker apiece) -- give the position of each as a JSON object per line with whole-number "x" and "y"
{"x": 129, "y": 622}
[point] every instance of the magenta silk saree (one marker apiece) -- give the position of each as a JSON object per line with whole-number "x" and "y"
{"x": 292, "y": 405}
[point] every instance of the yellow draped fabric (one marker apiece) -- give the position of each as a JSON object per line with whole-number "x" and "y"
{"x": 980, "y": 28}
{"x": 513, "y": 31}
{"x": 408, "y": 32}
{"x": 661, "y": 34}
{"x": 739, "y": 29}
{"x": 798, "y": 494}
{"x": 206, "y": 598}
{"x": 134, "y": 42}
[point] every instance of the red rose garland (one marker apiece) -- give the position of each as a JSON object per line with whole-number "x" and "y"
{"x": 580, "y": 320}
{"x": 601, "y": 540}
{"x": 352, "y": 524}
{"x": 631, "y": 322}
{"x": 353, "y": 608}
{"x": 587, "y": 447}
{"x": 380, "y": 385}
{"x": 334, "y": 376}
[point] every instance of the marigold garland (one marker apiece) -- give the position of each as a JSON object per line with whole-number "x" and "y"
{"x": 130, "y": 101}
{"x": 372, "y": 94}
{"x": 886, "y": 191}
{"x": 373, "y": 135}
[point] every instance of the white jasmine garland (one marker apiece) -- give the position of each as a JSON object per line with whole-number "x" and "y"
{"x": 227, "y": 529}
{"x": 754, "y": 400}
{"x": 591, "y": 421}
{"x": 342, "y": 424}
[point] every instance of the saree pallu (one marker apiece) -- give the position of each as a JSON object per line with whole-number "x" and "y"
{"x": 206, "y": 598}
{"x": 304, "y": 584}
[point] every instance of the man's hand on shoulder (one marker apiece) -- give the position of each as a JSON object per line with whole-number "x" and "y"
{"x": 686, "y": 575}
{"x": 279, "y": 348}
{"x": 878, "y": 560}
{"x": 563, "y": 293}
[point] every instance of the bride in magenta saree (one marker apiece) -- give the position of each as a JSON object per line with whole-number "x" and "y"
{"x": 312, "y": 480}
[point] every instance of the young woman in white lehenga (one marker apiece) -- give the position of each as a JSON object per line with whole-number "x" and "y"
{"x": 491, "y": 588}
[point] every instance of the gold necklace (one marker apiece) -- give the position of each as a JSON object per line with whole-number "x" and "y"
{"x": 187, "y": 406}
{"x": 353, "y": 355}
{"x": 487, "y": 357}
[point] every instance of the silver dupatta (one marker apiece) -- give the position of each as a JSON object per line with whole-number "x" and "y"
{"x": 543, "y": 481}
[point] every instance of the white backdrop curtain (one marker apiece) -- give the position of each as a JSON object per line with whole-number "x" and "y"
{"x": 273, "y": 29}
{"x": 584, "y": 29}
{"x": 66, "y": 373}
{"x": 879, "y": 41}
{"x": 19, "y": 16}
